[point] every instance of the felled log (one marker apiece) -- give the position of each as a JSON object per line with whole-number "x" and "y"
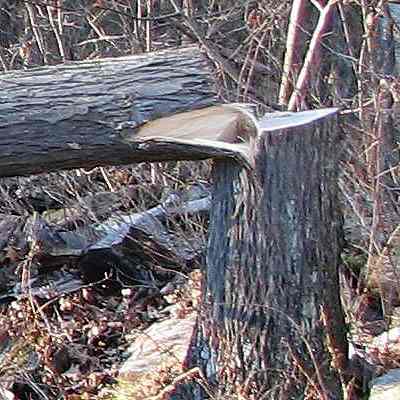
{"x": 77, "y": 115}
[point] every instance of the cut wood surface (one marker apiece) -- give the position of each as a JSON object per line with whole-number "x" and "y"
{"x": 218, "y": 131}
{"x": 76, "y": 115}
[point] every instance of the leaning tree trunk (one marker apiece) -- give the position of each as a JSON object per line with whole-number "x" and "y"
{"x": 79, "y": 114}
{"x": 272, "y": 325}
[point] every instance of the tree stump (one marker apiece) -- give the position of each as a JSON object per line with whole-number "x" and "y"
{"x": 271, "y": 325}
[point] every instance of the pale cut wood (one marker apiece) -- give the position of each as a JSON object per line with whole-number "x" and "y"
{"x": 218, "y": 123}
{"x": 219, "y": 131}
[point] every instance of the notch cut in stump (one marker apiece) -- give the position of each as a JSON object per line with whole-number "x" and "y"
{"x": 272, "y": 325}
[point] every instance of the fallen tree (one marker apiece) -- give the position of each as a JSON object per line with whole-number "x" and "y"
{"x": 77, "y": 115}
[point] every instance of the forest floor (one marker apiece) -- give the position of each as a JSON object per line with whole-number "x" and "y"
{"x": 66, "y": 325}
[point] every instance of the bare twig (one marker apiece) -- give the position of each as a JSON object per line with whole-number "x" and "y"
{"x": 36, "y": 31}
{"x": 293, "y": 49}
{"x": 57, "y": 33}
{"x": 312, "y": 60}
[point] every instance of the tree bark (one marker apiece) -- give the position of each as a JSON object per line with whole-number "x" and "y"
{"x": 272, "y": 325}
{"x": 77, "y": 115}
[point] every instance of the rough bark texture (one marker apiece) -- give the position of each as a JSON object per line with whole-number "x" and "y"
{"x": 272, "y": 270}
{"x": 77, "y": 115}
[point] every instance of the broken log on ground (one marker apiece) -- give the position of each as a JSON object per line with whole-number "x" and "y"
{"x": 127, "y": 244}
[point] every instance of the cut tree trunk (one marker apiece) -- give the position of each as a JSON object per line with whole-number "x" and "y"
{"x": 77, "y": 115}
{"x": 272, "y": 325}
